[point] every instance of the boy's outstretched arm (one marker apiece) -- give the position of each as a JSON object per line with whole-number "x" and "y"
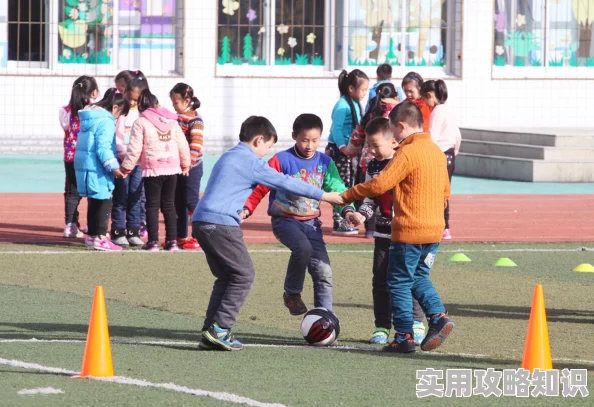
{"x": 261, "y": 190}
{"x": 262, "y": 174}
{"x": 391, "y": 176}
{"x": 333, "y": 183}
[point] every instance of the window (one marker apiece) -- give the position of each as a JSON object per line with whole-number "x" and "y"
{"x": 105, "y": 35}
{"x": 301, "y": 37}
{"x": 543, "y": 37}
{"x": 271, "y": 33}
{"x": 27, "y": 33}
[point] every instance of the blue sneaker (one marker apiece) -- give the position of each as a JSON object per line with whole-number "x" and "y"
{"x": 440, "y": 327}
{"x": 222, "y": 338}
{"x": 402, "y": 343}
{"x": 380, "y": 336}
{"x": 419, "y": 330}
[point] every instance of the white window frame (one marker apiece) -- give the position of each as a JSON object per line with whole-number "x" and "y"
{"x": 14, "y": 65}
{"x": 52, "y": 66}
{"x": 331, "y": 68}
{"x": 538, "y": 72}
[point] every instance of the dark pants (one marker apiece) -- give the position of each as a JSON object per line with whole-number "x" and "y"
{"x": 187, "y": 195}
{"x": 308, "y": 251}
{"x": 451, "y": 159}
{"x": 230, "y": 263}
{"x": 160, "y": 193}
{"x": 71, "y": 195}
{"x": 126, "y": 201}
{"x": 98, "y": 216}
{"x": 408, "y": 276}
{"x": 382, "y": 308}
{"x": 346, "y": 170}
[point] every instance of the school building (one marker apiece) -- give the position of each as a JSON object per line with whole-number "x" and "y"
{"x": 520, "y": 73}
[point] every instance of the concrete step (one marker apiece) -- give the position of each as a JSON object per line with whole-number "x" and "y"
{"x": 533, "y": 136}
{"x": 495, "y": 148}
{"x": 521, "y": 169}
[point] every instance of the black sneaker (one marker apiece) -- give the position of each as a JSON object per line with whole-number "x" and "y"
{"x": 440, "y": 327}
{"x": 118, "y": 236}
{"x": 295, "y": 304}
{"x": 402, "y": 343}
{"x": 171, "y": 246}
{"x": 151, "y": 246}
{"x": 343, "y": 229}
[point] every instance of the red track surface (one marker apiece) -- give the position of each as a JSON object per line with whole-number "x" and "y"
{"x": 39, "y": 218}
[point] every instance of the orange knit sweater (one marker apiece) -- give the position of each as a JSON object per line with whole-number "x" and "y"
{"x": 418, "y": 175}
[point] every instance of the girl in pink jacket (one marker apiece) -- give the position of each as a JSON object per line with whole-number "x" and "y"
{"x": 160, "y": 145}
{"x": 444, "y": 130}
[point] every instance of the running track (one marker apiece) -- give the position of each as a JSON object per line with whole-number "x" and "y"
{"x": 38, "y": 218}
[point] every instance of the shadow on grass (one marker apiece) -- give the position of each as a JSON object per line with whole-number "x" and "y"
{"x": 503, "y": 312}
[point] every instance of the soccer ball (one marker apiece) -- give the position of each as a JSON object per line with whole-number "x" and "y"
{"x": 320, "y": 327}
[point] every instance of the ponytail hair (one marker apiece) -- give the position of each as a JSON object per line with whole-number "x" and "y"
{"x": 111, "y": 98}
{"x": 81, "y": 92}
{"x": 147, "y": 100}
{"x": 128, "y": 75}
{"x": 438, "y": 87}
{"x": 413, "y": 77}
{"x": 186, "y": 92}
{"x": 346, "y": 79}
{"x": 137, "y": 82}
{"x": 383, "y": 91}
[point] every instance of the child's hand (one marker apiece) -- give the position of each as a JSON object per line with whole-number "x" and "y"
{"x": 185, "y": 172}
{"x": 355, "y": 218}
{"x": 118, "y": 174}
{"x": 350, "y": 151}
{"x": 333, "y": 197}
{"x": 244, "y": 214}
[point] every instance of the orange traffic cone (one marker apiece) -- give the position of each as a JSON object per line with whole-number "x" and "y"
{"x": 537, "y": 350}
{"x": 97, "y": 358}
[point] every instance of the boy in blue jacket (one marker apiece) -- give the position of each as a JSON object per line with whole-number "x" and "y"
{"x": 295, "y": 219}
{"x": 215, "y": 224}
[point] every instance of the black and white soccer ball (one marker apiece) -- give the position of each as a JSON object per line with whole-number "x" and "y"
{"x": 320, "y": 327}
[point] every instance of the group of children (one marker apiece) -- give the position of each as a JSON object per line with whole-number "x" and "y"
{"x": 131, "y": 157}
{"x": 406, "y": 171}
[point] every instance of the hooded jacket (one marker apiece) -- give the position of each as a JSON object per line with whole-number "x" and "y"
{"x": 95, "y": 159}
{"x": 159, "y": 143}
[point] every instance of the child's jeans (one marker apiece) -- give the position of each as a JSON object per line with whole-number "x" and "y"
{"x": 308, "y": 251}
{"x": 230, "y": 263}
{"x": 408, "y": 276}
{"x": 187, "y": 195}
{"x": 125, "y": 213}
{"x": 160, "y": 193}
{"x": 98, "y": 216}
{"x": 382, "y": 308}
{"x": 451, "y": 162}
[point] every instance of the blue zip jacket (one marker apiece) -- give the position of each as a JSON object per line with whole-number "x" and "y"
{"x": 95, "y": 158}
{"x": 342, "y": 122}
{"x": 234, "y": 177}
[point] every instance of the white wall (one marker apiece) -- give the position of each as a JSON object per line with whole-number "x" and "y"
{"x": 30, "y": 103}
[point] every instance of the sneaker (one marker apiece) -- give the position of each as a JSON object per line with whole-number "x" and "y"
{"x": 419, "y": 330}
{"x": 143, "y": 232}
{"x": 446, "y": 235}
{"x": 90, "y": 242}
{"x": 171, "y": 246}
{"x": 343, "y": 229}
{"x": 133, "y": 236}
{"x": 103, "y": 244}
{"x": 218, "y": 336}
{"x": 440, "y": 327}
{"x": 402, "y": 343}
{"x": 295, "y": 304}
{"x": 188, "y": 243}
{"x": 380, "y": 336}
{"x": 119, "y": 237}
{"x": 71, "y": 231}
{"x": 151, "y": 246}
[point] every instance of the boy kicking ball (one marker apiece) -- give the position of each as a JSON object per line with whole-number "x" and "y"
{"x": 417, "y": 174}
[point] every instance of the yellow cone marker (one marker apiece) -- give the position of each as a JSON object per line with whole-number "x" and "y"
{"x": 584, "y": 268}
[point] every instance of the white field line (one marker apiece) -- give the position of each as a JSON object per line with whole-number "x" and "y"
{"x": 52, "y": 252}
{"x": 39, "y": 390}
{"x": 260, "y": 345}
{"x": 233, "y": 398}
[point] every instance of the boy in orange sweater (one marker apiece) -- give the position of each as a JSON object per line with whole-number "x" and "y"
{"x": 421, "y": 187}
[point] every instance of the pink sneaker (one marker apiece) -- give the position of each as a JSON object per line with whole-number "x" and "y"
{"x": 446, "y": 235}
{"x": 90, "y": 242}
{"x": 106, "y": 245}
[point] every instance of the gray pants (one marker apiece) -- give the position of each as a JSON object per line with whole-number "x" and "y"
{"x": 230, "y": 263}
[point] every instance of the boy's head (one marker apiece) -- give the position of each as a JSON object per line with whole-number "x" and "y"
{"x": 259, "y": 134}
{"x": 307, "y": 132}
{"x": 405, "y": 119}
{"x": 384, "y": 72}
{"x": 380, "y": 140}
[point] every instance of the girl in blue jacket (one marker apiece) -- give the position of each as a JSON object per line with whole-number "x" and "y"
{"x": 95, "y": 164}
